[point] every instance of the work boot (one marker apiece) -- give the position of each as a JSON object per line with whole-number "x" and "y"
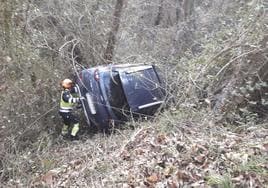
{"x": 64, "y": 130}
{"x": 75, "y": 129}
{"x": 74, "y": 138}
{"x": 66, "y": 137}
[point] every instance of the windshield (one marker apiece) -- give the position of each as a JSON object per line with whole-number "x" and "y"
{"x": 115, "y": 95}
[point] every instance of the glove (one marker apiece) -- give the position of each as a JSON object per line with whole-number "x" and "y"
{"x": 81, "y": 99}
{"x": 79, "y": 106}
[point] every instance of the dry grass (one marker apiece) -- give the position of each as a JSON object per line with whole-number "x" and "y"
{"x": 168, "y": 151}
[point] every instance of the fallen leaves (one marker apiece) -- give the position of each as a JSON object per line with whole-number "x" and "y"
{"x": 47, "y": 179}
{"x": 265, "y": 147}
{"x": 168, "y": 171}
{"x": 182, "y": 176}
{"x": 152, "y": 158}
{"x": 59, "y": 176}
{"x": 153, "y": 178}
{"x": 161, "y": 138}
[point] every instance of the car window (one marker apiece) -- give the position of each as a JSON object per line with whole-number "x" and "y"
{"x": 86, "y": 83}
{"x": 115, "y": 95}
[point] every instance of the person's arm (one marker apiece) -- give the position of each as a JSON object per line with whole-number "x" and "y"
{"x": 67, "y": 97}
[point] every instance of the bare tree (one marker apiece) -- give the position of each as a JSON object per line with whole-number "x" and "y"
{"x": 188, "y": 8}
{"x": 6, "y": 21}
{"x": 160, "y": 13}
{"x": 108, "y": 55}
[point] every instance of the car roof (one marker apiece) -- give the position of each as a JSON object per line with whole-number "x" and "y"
{"x": 131, "y": 68}
{"x": 122, "y": 67}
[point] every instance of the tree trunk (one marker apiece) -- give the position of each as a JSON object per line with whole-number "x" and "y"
{"x": 179, "y": 11}
{"x": 160, "y": 14}
{"x": 108, "y": 55}
{"x": 188, "y": 8}
{"x": 7, "y": 20}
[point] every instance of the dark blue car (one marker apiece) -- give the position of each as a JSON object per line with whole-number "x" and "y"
{"x": 116, "y": 93}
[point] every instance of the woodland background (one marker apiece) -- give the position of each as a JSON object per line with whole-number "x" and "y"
{"x": 214, "y": 55}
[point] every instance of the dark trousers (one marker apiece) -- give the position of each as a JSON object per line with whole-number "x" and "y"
{"x": 70, "y": 122}
{"x": 68, "y": 118}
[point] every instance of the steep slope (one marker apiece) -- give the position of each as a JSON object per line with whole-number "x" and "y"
{"x": 167, "y": 152}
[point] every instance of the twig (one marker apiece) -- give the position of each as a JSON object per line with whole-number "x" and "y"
{"x": 194, "y": 82}
{"x": 66, "y": 44}
{"x": 227, "y": 64}
{"x": 213, "y": 58}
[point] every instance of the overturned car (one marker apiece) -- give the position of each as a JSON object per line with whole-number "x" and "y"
{"x": 116, "y": 93}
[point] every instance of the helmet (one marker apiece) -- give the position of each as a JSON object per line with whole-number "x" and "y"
{"x": 67, "y": 83}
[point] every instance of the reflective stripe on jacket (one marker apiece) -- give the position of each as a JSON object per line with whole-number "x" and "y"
{"x": 68, "y": 100}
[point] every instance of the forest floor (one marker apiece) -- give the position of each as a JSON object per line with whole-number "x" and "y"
{"x": 170, "y": 151}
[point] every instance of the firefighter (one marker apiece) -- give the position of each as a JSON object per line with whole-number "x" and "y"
{"x": 68, "y": 100}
